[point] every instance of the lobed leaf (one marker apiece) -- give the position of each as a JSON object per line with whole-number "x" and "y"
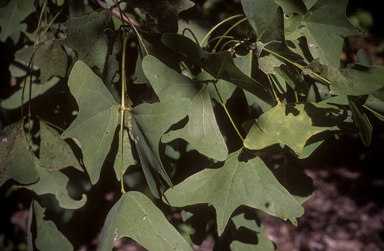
{"x": 201, "y": 131}
{"x": 98, "y": 118}
{"x": 326, "y": 27}
{"x": 47, "y": 235}
{"x": 17, "y": 161}
{"x": 55, "y": 182}
{"x": 232, "y": 185}
{"x": 356, "y": 80}
{"x": 219, "y": 65}
{"x": 86, "y": 36}
{"x": 135, "y": 216}
{"x": 292, "y": 124}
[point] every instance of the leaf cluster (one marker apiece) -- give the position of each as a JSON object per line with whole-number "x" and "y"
{"x": 125, "y": 85}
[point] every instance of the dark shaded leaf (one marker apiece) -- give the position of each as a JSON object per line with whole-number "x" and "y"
{"x": 16, "y": 159}
{"x": 361, "y": 121}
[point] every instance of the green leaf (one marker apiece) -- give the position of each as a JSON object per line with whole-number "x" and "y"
{"x": 232, "y": 185}
{"x": 247, "y": 219}
{"x": 128, "y": 159}
{"x": 359, "y": 80}
{"x": 361, "y": 120}
{"x": 55, "y": 182}
{"x": 292, "y": 6}
{"x": 261, "y": 15}
{"x": 14, "y": 101}
{"x": 12, "y": 16}
{"x": 201, "y": 131}
{"x": 165, "y": 12}
{"x": 86, "y": 35}
{"x": 98, "y": 118}
{"x": 292, "y": 124}
{"x": 49, "y": 57}
{"x": 293, "y": 77}
{"x": 219, "y": 65}
{"x": 200, "y": 28}
{"x": 149, "y": 123}
{"x": 135, "y": 216}
{"x": 47, "y": 236}
{"x": 16, "y": 159}
{"x": 326, "y": 28}
{"x": 55, "y": 153}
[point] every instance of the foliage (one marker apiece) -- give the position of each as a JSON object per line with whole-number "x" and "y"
{"x": 131, "y": 89}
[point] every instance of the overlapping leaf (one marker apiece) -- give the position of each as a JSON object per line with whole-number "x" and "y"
{"x": 49, "y": 57}
{"x": 219, "y": 65}
{"x": 55, "y": 153}
{"x": 201, "y": 131}
{"x": 293, "y": 125}
{"x": 16, "y": 159}
{"x": 326, "y": 28}
{"x": 98, "y": 117}
{"x": 55, "y": 182}
{"x": 86, "y": 36}
{"x": 48, "y": 236}
{"x": 361, "y": 121}
{"x": 232, "y": 185}
{"x": 12, "y": 16}
{"x": 166, "y": 12}
{"x": 149, "y": 123}
{"x": 359, "y": 80}
{"x": 135, "y": 216}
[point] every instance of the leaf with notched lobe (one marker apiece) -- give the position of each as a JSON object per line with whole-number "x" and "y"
{"x": 236, "y": 183}
{"x": 98, "y": 118}
{"x": 86, "y": 35}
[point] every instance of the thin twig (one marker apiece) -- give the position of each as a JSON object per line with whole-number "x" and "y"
{"x": 116, "y": 13}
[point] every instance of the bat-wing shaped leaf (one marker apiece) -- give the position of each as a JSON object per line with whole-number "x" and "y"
{"x": 201, "y": 131}
{"x": 135, "y": 216}
{"x": 293, "y": 125}
{"x": 219, "y": 65}
{"x": 149, "y": 123}
{"x": 86, "y": 36}
{"x": 16, "y": 160}
{"x": 98, "y": 117}
{"x": 326, "y": 26}
{"x": 232, "y": 185}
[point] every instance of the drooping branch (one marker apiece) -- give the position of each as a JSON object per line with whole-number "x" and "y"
{"x": 116, "y": 13}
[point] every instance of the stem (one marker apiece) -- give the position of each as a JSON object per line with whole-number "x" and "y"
{"x": 226, "y": 111}
{"x": 232, "y": 27}
{"x": 197, "y": 41}
{"x": 373, "y": 111}
{"x": 273, "y": 89}
{"x": 324, "y": 80}
{"x": 217, "y": 25}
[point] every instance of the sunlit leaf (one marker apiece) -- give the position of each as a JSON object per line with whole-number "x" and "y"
{"x": 135, "y": 216}
{"x": 232, "y": 185}
{"x": 98, "y": 118}
{"x": 16, "y": 159}
{"x": 292, "y": 124}
{"x": 292, "y": 6}
{"x": 201, "y": 131}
